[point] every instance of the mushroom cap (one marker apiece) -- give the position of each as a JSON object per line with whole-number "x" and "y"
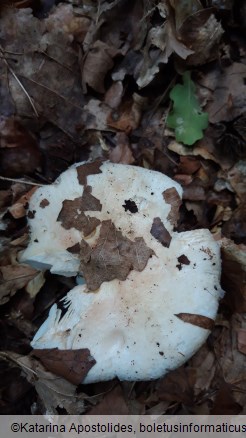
{"x": 151, "y": 294}
{"x": 57, "y": 224}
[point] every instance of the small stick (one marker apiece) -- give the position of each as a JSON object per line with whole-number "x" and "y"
{"x": 20, "y": 84}
{"x": 21, "y": 181}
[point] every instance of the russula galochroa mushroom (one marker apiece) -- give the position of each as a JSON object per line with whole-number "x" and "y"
{"x": 150, "y": 295}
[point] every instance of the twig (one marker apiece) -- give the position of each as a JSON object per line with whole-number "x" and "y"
{"x": 16, "y": 360}
{"x": 55, "y": 60}
{"x": 20, "y": 84}
{"x": 21, "y": 181}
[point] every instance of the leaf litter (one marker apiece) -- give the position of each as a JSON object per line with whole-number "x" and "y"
{"x": 79, "y": 82}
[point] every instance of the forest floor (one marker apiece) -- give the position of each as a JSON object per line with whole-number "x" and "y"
{"x": 85, "y": 80}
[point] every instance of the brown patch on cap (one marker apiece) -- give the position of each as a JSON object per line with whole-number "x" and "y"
{"x": 160, "y": 233}
{"x": 172, "y": 197}
{"x": 183, "y": 260}
{"x": 75, "y": 249}
{"x": 89, "y": 201}
{"x": 88, "y": 169}
{"x": 44, "y": 203}
{"x": 198, "y": 320}
{"x": 72, "y": 214}
{"x": 73, "y": 365}
{"x": 113, "y": 256}
{"x": 31, "y": 214}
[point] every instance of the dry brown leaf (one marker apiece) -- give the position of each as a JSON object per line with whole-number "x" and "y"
{"x": 63, "y": 18}
{"x": 19, "y": 152}
{"x": 223, "y": 198}
{"x": 121, "y": 153}
{"x": 232, "y": 361}
{"x": 235, "y": 227}
{"x": 21, "y": 241}
{"x": 113, "y": 403}
{"x": 160, "y": 233}
{"x": 130, "y": 65}
{"x": 87, "y": 169}
{"x": 166, "y": 42}
{"x": 5, "y": 198}
{"x": 178, "y": 386}
{"x": 184, "y": 10}
{"x": 127, "y": 116}
{"x": 13, "y": 278}
{"x": 234, "y": 274}
{"x": 201, "y": 32}
{"x": 188, "y": 165}
{"x": 98, "y": 61}
{"x": 228, "y": 96}
{"x": 184, "y": 180}
{"x": 72, "y": 214}
{"x": 194, "y": 191}
{"x": 197, "y": 320}
{"x": 172, "y": 197}
{"x": 205, "y": 364}
{"x": 73, "y": 365}
{"x": 124, "y": 26}
{"x": 225, "y": 403}
{"x": 54, "y": 392}
{"x": 19, "y": 208}
{"x": 237, "y": 179}
{"x": 113, "y": 256}
{"x": 241, "y": 340}
{"x": 197, "y": 151}
{"x": 34, "y": 285}
{"x": 96, "y": 114}
{"x": 114, "y": 95}
{"x": 196, "y": 29}
{"x": 43, "y": 56}
{"x": 198, "y": 209}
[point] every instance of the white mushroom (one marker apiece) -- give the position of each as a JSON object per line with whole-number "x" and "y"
{"x": 150, "y": 295}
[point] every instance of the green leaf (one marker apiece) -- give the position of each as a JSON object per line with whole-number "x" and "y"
{"x": 186, "y": 117}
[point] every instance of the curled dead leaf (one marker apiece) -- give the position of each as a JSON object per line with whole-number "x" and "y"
{"x": 241, "y": 340}
{"x": 227, "y": 95}
{"x": 19, "y": 208}
{"x": 73, "y": 365}
{"x": 73, "y": 214}
{"x": 98, "y": 61}
{"x": 114, "y": 95}
{"x": 165, "y": 39}
{"x": 127, "y": 116}
{"x": 234, "y": 274}
{"x": 160, "y": 233}
{"x": 13, "y": 278}
{"x": 201, "y": 32}
{"x": 113, "y": 403}
{"x": 198, "y": 320}
{"x": 172, "y": 197}
{"x": 178, "y": 386}
{"x": 113, "y": 256}
{"x": 19, "y": 151}
{"x": 121, "y": 152}
{"x": 54, "y": 392}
